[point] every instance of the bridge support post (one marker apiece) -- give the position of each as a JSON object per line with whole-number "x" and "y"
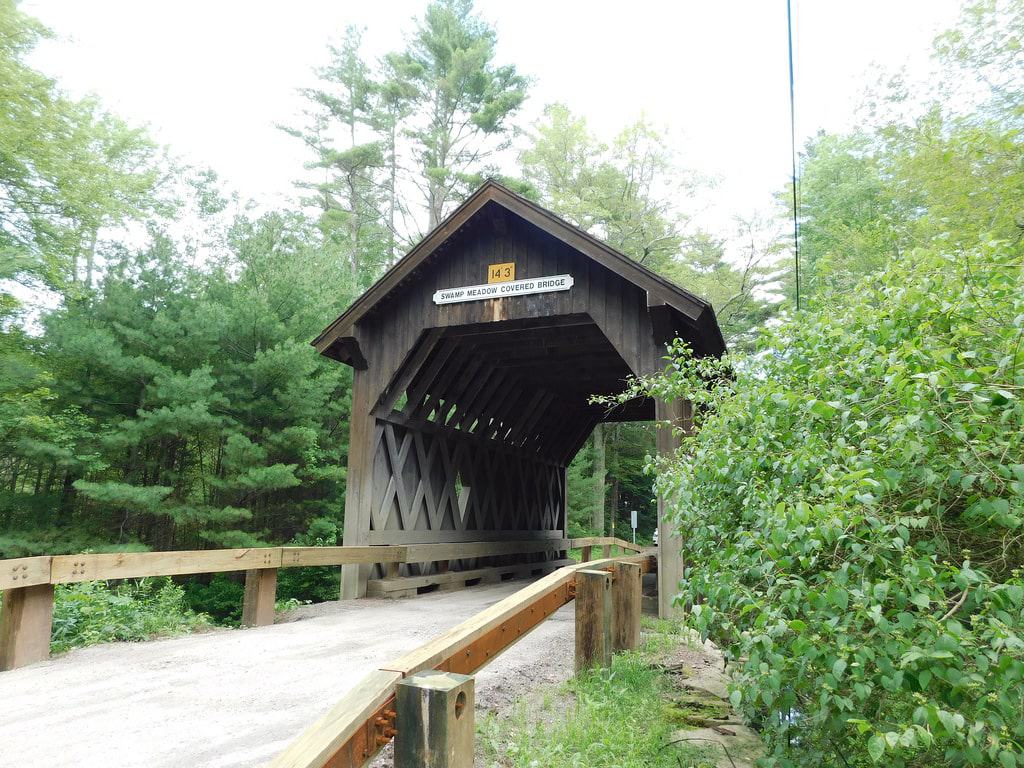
{"x": 586, "y": 554}
{"x": 260, "y": 595}
{"x": 679, "y": 416}
{"x": 593, "y": 619}
{"x": 626, "y": 599}
{"x": 434, "y": 721}
{"x": 25, "y": 624}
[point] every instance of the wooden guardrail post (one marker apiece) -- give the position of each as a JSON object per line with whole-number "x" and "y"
{"x": 607, "y": 550}
{"x": 434, "y": 721}
{"x": 586, "y": 554}
{"x": 25, "y": 624}
{"x": 260, "y": 595}
{"x": 626, "y": 601}
{"x": 593, "y": 619}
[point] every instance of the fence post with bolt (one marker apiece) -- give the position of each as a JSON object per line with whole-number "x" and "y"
{"x": 435, "y": 721}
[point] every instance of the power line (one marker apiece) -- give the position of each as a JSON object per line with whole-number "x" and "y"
{"x": 792, "y": 149}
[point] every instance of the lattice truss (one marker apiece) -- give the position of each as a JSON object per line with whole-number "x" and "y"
{"x": 434, "y": 482}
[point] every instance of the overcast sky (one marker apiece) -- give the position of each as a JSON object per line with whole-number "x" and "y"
{"x": 210, "y": 78}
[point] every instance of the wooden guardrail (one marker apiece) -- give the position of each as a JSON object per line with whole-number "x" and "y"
{"x": 27, "y": 583}
{"x": 364, "y": 720}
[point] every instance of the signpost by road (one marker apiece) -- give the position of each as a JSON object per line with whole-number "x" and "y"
{"x": 632, "y": 522}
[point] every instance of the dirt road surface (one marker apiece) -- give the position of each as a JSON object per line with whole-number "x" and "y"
{"x": 237, "y": 697}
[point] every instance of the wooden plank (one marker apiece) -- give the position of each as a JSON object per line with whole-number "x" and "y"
{"x": 435, "y": 721}
{"x": 303, "y": 556}
{"x": 408, "y": 371}
{"x": 627, "y": 596}
{"x": 259, "y": 598}
{"x": 335, "y": 739}
{"x": 132, "y": 565}
{"x": 26, "y": 620}
{"x": 429, "y": 655}
{"x": 445, "y": 537}
{"x": 358, "y": 491}
{"x": 24, "y": 572}
{"x": 343, "y": 722}
{"x": 670, "y": 543}
{"x": 421, "y": 384}
{"x": 593, "y": 619}
{"x": 404, "y": 583}
{"x": 425, "y": 553}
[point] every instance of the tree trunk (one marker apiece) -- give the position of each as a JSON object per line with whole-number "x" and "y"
{"x": 90, "y": 257}
{"x": 392, "y": 193}
{"x": 613, "y": 504}
{"x": 597, "y": 519}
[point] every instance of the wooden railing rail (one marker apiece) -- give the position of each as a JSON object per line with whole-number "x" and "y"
{"x": 27, "y": 583}
{"x": 363, "y": 721}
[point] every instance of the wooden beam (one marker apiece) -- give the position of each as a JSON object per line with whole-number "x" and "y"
{"x": 434, "y": 721}
{"x": 259, "y": 598}
{"x": 627, "y": 595}
{"x": 26, "y": 620}
{"x": 302, "y": 556}
{"x": 672, "y": 417}
{"x": 408, "y": 370}
{"x": 406, "y": 584}
{"x": 343, "y": 737}
{"x": 357, "y": 726}
{"x": 426, "y": 553}
{"x": 420, "y": 384}
{"x": 132, "y": 565}
{"x": 593, "y": 619}
{"x": 447, "y": 537}
{"x": 24, "y": 572}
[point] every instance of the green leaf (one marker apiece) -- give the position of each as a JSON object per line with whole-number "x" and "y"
{"x": 838, "y": 667}
{"x": 876, "y": 747}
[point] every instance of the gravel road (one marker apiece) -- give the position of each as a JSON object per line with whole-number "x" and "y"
{"x": 231, "y": 698}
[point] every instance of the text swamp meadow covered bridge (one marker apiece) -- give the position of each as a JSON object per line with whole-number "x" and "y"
{"x": 475, "y": 358}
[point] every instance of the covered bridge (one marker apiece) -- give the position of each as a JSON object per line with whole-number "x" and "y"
{"x": 474, "y": 360}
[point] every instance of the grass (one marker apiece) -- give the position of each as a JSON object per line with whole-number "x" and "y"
{"x": 608, "y": 718}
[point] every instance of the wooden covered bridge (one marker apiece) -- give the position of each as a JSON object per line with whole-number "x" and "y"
{"x": 475, "y": 358}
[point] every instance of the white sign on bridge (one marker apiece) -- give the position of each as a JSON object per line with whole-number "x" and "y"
{"x": 501, "y": 290}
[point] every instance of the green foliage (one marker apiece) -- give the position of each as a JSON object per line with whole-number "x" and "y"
{"x": 616, "y": 720}
{"x": 631, "y": 192}
{"x": 67, "y": 169}
{"x": 854, "y": 499}
{"x": 465, "y": 98}
{"x": 220, "y": 597}
{"x": 93, "y": 612}
{"x": 185, "y": 407}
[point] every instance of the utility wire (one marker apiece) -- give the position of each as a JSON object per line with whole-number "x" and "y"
{"x": 792, "y": 149}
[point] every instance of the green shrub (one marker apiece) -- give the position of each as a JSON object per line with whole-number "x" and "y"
{"x": 853, "y": 503}
{"x": 93, "y": 612}
{"x": 220, "y": 597}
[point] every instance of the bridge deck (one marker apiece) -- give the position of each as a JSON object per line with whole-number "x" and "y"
{"x": 236, "y": 698}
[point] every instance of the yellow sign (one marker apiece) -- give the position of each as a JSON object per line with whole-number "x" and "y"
{"x": 501, "y": 273}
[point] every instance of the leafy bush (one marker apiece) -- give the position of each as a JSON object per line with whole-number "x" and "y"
{"x": 93, "y": 612}
{"x": 853, "y": 503}
{"x": 220, "y": 597}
